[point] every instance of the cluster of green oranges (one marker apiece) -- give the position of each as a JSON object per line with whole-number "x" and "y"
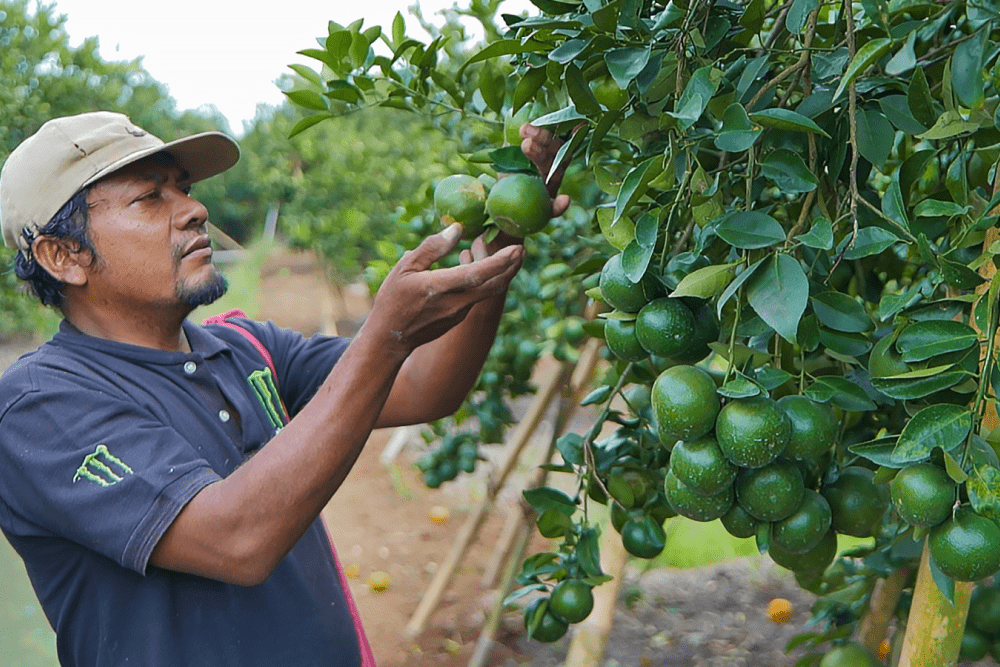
{"x": 982, "y": 629}
{"x": 547, "y": 618}
{"x": 762, "y": 466}
{"x": 965, "y": 545}
{"x": 518, "y": 204}
{"x": 458, "y": 452}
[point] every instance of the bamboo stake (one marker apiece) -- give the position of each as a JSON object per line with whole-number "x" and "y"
{"x": 935, "y": 626}
{"x": 591, "y": 635}
{"x": 442, "y": 577}
{"x": 885, "y": 597}
{"x": 508, "y": 537}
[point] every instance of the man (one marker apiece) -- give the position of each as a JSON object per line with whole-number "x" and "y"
{"x": 156, "y": 526}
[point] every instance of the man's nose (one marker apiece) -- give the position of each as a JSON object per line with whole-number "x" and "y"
{"x": 190, "y": 211}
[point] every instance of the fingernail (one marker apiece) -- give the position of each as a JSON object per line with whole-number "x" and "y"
{"x": 452, "y": 231}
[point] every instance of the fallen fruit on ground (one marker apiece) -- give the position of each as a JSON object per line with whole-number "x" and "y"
{"x": 352, "y": 570}
{"x": 685, "y": 403}
{"x": 439, "y": 514}
{"x": 519, "y": 204}
{"x": 572, "y": 600}
{"x": 780, "y": 610}
{"x": 461, "y": 198}
{"x": 379, "y": 581}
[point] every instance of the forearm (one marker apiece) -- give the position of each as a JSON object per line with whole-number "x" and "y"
{"x": 239, "y": 528}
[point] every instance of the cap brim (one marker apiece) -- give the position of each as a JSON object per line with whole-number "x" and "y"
{"x": 201, "y": 155}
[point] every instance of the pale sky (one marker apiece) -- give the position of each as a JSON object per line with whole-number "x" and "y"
{"x": 225, "y": 52}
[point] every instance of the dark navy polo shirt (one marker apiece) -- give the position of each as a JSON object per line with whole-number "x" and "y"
{"x": 102, "y": 444}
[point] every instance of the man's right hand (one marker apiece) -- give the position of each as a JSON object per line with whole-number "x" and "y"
{"x": 416, "y": 305}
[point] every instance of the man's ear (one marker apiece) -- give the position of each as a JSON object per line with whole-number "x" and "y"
{"x": 64, "y": 259}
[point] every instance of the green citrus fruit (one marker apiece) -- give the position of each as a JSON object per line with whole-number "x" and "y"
{"x": 619, "y": 515}
{"x": 461, "y": 198}
{"x": 643, "y": 537}
{"x": 814, "y": 561}
{"x": 701, "y": 466}
{"x": 622, "y": 341}
{"x": 884, "y": 361}
{"x": 850, "y": 655}
{"x": 814, "y": 427}
{"x": 706, "y": 330}
{"x": 665, "y": 327}
{"x": 571, "y": 600}
{"x": 738, "y": 523}
{"x": 975, "y": 644}
{"x": 857, "y": 503}
{"x": 607, "y": 92}
{"x": 802, "y": 530}
{"x": 984, "y": 610}
{"x": 549, "y": 627}
{"x": 693, "y": 505}
{"x": 512, "y": 122}
{"x": 752, "y": 432}
{"x": 619, "y": 292}
{"x": 519, "y": 204}
{"x": 923, "y": 494}
{"x": 685, "y": 403}
{"x": 772, "y": 492}
{"x": 966, "y": 546}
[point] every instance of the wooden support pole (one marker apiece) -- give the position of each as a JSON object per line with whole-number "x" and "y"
{"x": 935, "y": 625}
{"x": 550, "y": 384}
{"x": 591, "y": 636}
{"x": 508, "y": 538}
{"x": 885, "y": 597}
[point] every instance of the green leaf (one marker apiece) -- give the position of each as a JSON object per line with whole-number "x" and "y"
{"x": 893, "y": 204}
{"x": 618, "y": 233}
{"x": 588, "y": 552}
{"x": 819, "y": 236}
{"x": 875, "y": 136}
{"x": 738, "y": 133}
{"x": 699, "y": 90}
{"x": 896, "y": 110}
{"x": 581, "y": 94}
{"x": 635, "y": 184}
{"x": 529, "y": 84}
{"x": 967, "y": 70}
{"x": 959, "y": 275}
{"x": 941, "y": 425}
{"x": 909, "y": 390}
{"x": 707, "y": 281}
{"x": 954, "y": 469}
{"x": 839, "y": 311}
{"x": 785, "y": 119}
{"x": 919, "y": 100}
{"x": 568, "y": 50}
{"x": 788, "y": 171}
{"x": 933, "y": 208}
{"x": 984, "y": 491}
{"x": 750, "y": 230}
{"x": 878, "y": 452}
{"x": 905, "y": 59}
{"x": 544, "y": 498}
{"x": 398, "y": 29}
{"x": 923, "y": 340}
{"x": 552, "y": 523}
{"x": 779, "y": 294}
{"x": 503, "y": 47}
{"x": 308, "y": 99}
{"x": 739, "y": 387}
{"x": 565, "y": 115}
{"x": 846, "y": 343}
{"x": 307, "y": 73}
{"x": 950, "y": 124}
{"x": 308, "y": 122}
{"x": 635, "y": 258}
{"x": 598, "y": 395}
{"x": 944, "y": 583}
{"x": 735, "y": 285}
{"x": 772, "y": 378}
{"x": 866, "y": 56}
{"x": 625, "y": 64}
{"x": 870, "y": 241}
{"x": 795, "y": 20}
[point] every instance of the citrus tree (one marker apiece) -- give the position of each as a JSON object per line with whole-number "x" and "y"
{"x": 791, "y": 228}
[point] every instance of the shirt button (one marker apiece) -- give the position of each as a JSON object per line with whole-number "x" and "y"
{"x": 224, "y": 415}
{"x": 190, "y": 367}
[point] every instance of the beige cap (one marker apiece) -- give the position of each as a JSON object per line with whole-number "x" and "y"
{"x": 66, "y": 154}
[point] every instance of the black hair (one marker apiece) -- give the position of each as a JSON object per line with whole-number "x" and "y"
{"x": 69, "y": 223}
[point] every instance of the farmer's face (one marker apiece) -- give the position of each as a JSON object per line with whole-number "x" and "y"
{"x": 151, "y": 238}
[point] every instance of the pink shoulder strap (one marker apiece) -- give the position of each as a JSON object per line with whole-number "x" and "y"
{"x": 367, "y": 656}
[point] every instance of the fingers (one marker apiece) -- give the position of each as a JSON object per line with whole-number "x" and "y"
{"x": 559, "y": 205}
{"x": 434, "y": 247}
{"x": 541, "y": 146}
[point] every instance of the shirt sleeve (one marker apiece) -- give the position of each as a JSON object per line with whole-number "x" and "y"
{"x": 83, "y": 463}
{"x": 302, "y": 364}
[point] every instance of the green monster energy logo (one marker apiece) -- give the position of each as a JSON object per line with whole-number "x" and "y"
{"x": 267, "y": 393}
{"x": 102, "y": 467}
